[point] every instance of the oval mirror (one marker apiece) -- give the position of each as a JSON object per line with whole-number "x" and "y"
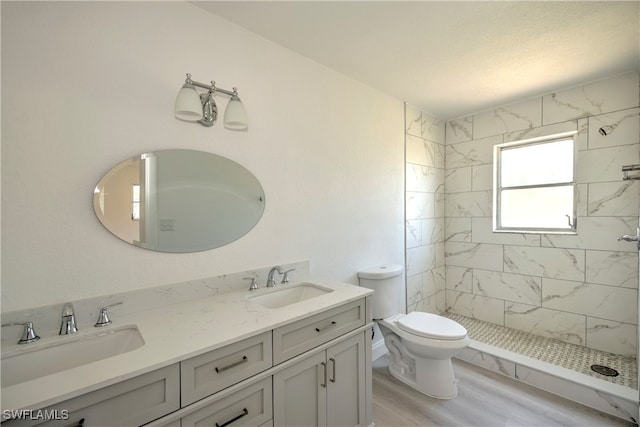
{"x": 178, "y": 201}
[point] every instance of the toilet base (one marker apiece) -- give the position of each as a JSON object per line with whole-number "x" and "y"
{"x": 422, "y": 363}
{"x": 432, "y": 377}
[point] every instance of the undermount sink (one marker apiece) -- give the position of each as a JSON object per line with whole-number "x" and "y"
{"x": 289, "y": 294}
{"x": 66, "y": 352}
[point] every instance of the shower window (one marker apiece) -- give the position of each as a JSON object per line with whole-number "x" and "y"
{"x": 535, "y": 186}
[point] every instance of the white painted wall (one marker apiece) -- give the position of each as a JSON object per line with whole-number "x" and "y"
{"x": 86, "y": 85}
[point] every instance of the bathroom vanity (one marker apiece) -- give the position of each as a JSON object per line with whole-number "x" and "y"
{"x": 297, "y": 354}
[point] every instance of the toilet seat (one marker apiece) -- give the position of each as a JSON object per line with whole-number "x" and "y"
{"x": 429, "y": 325}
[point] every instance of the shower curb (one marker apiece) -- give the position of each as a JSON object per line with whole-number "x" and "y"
{"x": 613, "y": 399}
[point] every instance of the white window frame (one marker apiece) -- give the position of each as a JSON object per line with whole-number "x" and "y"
{"x": 135, "y": 203}
{"x": 498, "y": 188}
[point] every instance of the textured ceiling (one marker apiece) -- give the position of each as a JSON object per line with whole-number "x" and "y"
{"x": 453, "y": 58}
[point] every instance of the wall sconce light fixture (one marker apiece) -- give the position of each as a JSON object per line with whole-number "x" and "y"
{"x": 191, "y": 106}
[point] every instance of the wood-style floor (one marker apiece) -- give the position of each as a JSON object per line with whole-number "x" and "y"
{"x": 485, "y": 399}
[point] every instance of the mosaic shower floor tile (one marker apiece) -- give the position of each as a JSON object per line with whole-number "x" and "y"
{"x": 570, "y": 356}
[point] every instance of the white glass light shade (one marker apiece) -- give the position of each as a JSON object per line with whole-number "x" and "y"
{"x": 188, "y": 106}
{"x": 235, "y": 117}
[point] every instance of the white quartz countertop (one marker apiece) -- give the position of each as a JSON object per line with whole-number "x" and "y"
{"x": 172, "y": 333}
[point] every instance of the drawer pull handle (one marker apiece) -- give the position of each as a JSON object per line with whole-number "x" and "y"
{"x": 233, "y": 365}
{"x": 234, "y": 419}
{"x": 333, "y": 362}
{"x": 326, "y": 327}
{"x": 324, "y": 368}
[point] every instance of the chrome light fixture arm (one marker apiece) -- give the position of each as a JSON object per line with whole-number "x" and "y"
{"x": 212, "y": 87}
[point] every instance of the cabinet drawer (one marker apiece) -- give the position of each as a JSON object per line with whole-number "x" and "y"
{"x": 211, "y": 372}
{"x": 298, "y": 337}
{"x": 251, "y": 406}
{"x": 132, "y": 402}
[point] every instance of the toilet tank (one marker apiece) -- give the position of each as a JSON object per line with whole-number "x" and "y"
{"x": 388, "y": 283}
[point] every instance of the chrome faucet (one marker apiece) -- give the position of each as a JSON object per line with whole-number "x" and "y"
{"x": 68, "y": 325}
{"x": 285, "y": 277}
{"x": 28, "y": 334}
{"x": 103, "y": 317}
{"x": 254, "y": 285}
{"x": 271, "y": 282}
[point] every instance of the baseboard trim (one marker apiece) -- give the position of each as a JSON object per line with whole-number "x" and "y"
{"x": 378, "y": 349}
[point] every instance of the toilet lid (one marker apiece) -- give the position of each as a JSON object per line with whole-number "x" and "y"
{"x": 432, "y": 326}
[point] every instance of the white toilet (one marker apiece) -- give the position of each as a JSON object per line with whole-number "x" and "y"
{"x": 421, "y": 345}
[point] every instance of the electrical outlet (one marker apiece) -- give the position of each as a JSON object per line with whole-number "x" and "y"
{"x": 166, "y": 225}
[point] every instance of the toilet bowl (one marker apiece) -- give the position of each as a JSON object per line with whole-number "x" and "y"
{"x": 420, "y": 345}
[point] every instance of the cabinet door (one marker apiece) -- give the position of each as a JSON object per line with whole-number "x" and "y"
{"x": 299, "y": 393}
{"x": 346, "y": 390}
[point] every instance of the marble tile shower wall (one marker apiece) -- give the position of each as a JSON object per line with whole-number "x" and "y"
{"x": 581, "y": 288}
{"x": 425, "y": 172}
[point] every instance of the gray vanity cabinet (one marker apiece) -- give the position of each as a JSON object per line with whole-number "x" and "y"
{"x": 251, "y": 406}
{"x": 303, "y": 335}
{"x": 346, "y": 388}
{"x": 132, "y": 402}
{"x": 204, "y": 375}
{"x": 324, "y": 389}
{"x": 311, "y": 371}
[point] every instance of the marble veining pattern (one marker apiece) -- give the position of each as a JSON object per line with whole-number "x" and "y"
{"x": 585, "y": 284}
{"x": 471, "y": 153}
{"x": 472, "y": 204}
{"x": 47, "y": 319}
{"x": 615, "y": 337}
{"x": 420, "y": 151}
{"x": 555, "y": 263}
{"x": 624, "y": 124}
{"x": 507, "y": 286}
{"x": 482, "y": 178}
{"x": 568, "y": 327}
{"x": 524, "y": 115}
{"x": 478, "y": 255}
{"x": 476, "y": 306}
{"x": 413, "y": 120}
{"x": 458, "y": 180}
{"x": 458, "y": 230}
{"x": 424, "y": 210}
{"x": 613, "y": 94}
{"x": 485, "y": 398}
{"x": 482, "y": 233}
{"x": 597, "y": 233}
{"x": 613, "y": 268}
{"x": 459, "y": 130}
{"x": 539, "y": 131}
{"x": 574, "y": 357}
{"x": 610, "y": 302}
{"x": 459, "y": 278}
{"x": 614, "y": 198}
{"x": 604, "y": 164}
